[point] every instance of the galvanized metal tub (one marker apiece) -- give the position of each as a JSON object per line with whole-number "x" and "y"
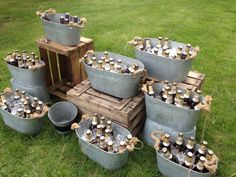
{"x": 176, "y": 118}
{"x": 39, "y": 91}
{"x": 151, "y": 126}
{"x": 110, "y": 161}
{"x": 164, "y": 68}
{"x": 60, "y": 33}
{"x": 28, "y": 77}
{"x": 30, "y": 126}
{"x": 62, "y": 115}
{"x": 115, "y": 84}
{"x": 171, "y": 169}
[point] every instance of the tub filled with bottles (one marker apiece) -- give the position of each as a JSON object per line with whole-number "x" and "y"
{"x": 114, "y": 74}
{"x": 105, "y": 142}
{"x": 181, "y": 157}
{"x": 165, "y": 59}
{"x": 173, "y": 107}
{"x": 62, "y": 28}
{"x": 28, "y": 73}
{"x": 22, "y": 112}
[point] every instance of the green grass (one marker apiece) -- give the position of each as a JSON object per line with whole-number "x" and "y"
{"x": 209, "y": 24}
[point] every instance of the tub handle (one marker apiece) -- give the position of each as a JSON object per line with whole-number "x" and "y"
{"x": 136, "y": 41}
{"x": 157, "y": 140}
{"x": 132, "y": 145}
{"x": 206, "y": 105}
{"x": 79, "y": 25}
{"x": 49, "y": 11}
{"x": 74, "y": 126}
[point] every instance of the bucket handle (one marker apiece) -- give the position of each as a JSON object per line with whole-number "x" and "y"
{"x": 79, "y": 25}
{"x": 206, "y": 104}
{"x": 49, "y": 11}
{"x": 135, "y": 41}
{"x": 157, "y": 140}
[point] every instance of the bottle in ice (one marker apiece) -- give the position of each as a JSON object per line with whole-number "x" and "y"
{"x": 188, "y": 162}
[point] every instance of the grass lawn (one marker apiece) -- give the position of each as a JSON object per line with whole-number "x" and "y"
{"x": 210, "y": 24}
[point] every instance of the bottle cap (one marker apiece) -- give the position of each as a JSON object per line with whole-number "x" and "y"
{"x": 88, "y": 132}
{"x": 102, "y": 138}
{"x": 202, "y": 159}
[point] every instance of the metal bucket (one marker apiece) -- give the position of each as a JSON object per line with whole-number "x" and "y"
{"x": 151, "y": 126}
{"x": 62, "y": 115}
{"x": 39, "y": 91}
{"x": 60, "y": 33}
{"x": 28, "y": 77}
{"x": 171, "y": 169}
{"x": 110, "y": 161}
{"x": 30, "y": 126}
{"x": 115, "y": 84}
{"x": 164, "y": 68}
{"x": 176, "y": 118}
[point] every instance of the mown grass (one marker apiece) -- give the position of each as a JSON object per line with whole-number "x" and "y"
{"x": 207, "y": 23}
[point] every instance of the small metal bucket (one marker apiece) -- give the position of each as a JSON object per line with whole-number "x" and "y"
{"x": 151, "y": 126}
{"x": 28, "y": 77}
{"x": 171, "y": 169}
{"x": 30, "y": 126}
{"x": 115, "y": 84}
{"x": 176, "y": 118}
{"x": 110, "y": 161}
{"x": 164, "y": 68}
{"x": 60, "y": 33}
{"x": 39, "y": 91}
{"x": 62, "y": 115}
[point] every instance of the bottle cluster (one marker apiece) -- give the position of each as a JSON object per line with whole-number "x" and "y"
{"x": 110, "y": 64}
{"x": 164, "y": 49}
{"x": 186, "y": 154}
{"x": 172, "y": 95}
{"x": 23, "y": 60}
{"x": 21, "y": 105}
{"x": 100, "y": 134}
{"x": 67, "y": 18}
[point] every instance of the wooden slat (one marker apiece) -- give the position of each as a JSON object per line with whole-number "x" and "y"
{"x": 44, "y": 57}
{"x": 193, "y": 81}
{"x": 137, "y": 129}
{"x": 81, "y": 50}
{"x": 75, "y": 68}
{"x": 89, "y": 43}
{"x": 54, "y": 67}
{"x": 196, "y": 74}
{"x": 64, "y": 63}
{"x": 184, "y": 86}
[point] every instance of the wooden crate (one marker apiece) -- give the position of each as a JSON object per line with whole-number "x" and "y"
{"x": 194, "y": 79}
{"x": 129, "y": 113}
{"x": 64, "y": 69}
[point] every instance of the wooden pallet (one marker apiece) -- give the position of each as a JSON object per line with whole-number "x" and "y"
{"x": 63, "y": 64}
{"x": 129, "y": 113}
{"x": 194, "y": 79}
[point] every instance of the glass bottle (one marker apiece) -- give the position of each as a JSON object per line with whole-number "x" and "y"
{"x": 20, "y": 112}
{"x": 188, "y": 162}
{"x": 166, "y": 142}
{"x": 67, "y": 16}
{"x": 169, "y": 98}
{"x": 166, "y": 43}
{"x": 94, "y": 61}
{"x": 103, "y": 61}
{"x": 166, "y": 153}
{"x": 62, "y": 20}
{"x": 200, "y": 166}
{"x": 88, "y": 136}
{"x": 128, "y": 139}
{"x": 28, "y": 114}
{"x": 188, "y": 48}
{"x": 112, "y": 66}
{"x": 165, "y": 93}
{"x": 99, "y": 131}
{"x": 159, "y": 42}
{"x": 107, "y": 135}
{"x": 178, "y": 55}
{"x": 34, "y": 104}
{"x": 174, "y": 89}
{"x": 102, "y": 143}
{"x": 167, "y": 53}
{"x": 180, "y": 49}
{"x": 190, "y": 145}
{"x": 148, "y": 44}
{"x": 100, "y": 64}
{"x": 103, "y": 122}
{"x": 17, "y": 94}
{"x": 118, "y": 69}
{"x": 122, "y": 147}
{"x": 150, "y": 91}
{"x": 75, "y": 19}
{"x": 201, "y": 151}
{"x": 109, "y": 126}
{"x": 38, "y": 110}
{"x": 209, "y": 155}
{"x": 184, "y": 55}
{"x": 194, "y": 101}
{"x": 110, "y": 147}
{"x": 178, "y": 145}
{"x": 187, "y": 95}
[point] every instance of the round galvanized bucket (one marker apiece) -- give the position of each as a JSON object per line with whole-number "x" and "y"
{"x": 176, "y": 118}
{"x": 110, "y": 161}
{"x": 151, "y": 126}
{"x": 28, "y": 77}
{"x": 60, "y": 33}
{"x": 164, "y": 68}
{"x": 30, "y": 126}
{"x": 115, "y": 84}
{"x": 171, "y": 169}
{"x": 39, "y": 91}
{"x": 62, "y": 115}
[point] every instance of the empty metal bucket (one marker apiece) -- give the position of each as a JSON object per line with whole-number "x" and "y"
{"x": 151, "y": 126}
{"x": 110, "y": 161}
{"x": 60, "y": 33}
{"x": 115, "y": 84}
{"x": 176, "y": 118}
{"x": 164, "y": 68}
{"x": 39, "y": 91}
{"x": 62, "y": 115}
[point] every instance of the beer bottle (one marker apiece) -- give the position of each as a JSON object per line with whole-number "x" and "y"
{"x": 184, "y": 55}
{"x": 94, "y": 122}
{"x": 103, "y": 122}
{"x": 166, "y": 43}
{"x": 38, "y": 110}
{"x": 151, "y": 91}
{"x": 163, "y": 51}
{"x": 94, "y": 61}
{"x": 40, "y": 104}
{"x": 6, "y": 106}
{"x": 107, "y": 65}
{"x": 111, "y": 59}
{"x": 166, "y": 142}
{"x": 122, "y": 146}
{"x": 28, "y": 114}
{"x": 20, "y": 63}
{"x": 209, "y": 155}
{"x": 102, "y": 143}
{"x": 107, "y": 135}
{"x": 200, "y": 166}
{"x": 99, "y": 131}
{"x": 34, "y": 104}
{"x": 148, "y": 44}
{"x": 8, "y": 58}
{"x": 36, "y": 59}
{"x": 187, "y": 95}
{"x": 100, "y": 64}
{"x": 128, "y": 139}
{"x": 199, "y": 92}
{"x": 166, "y": 82}
{"x": 20, "y": 112}
{"x": 169, "y": 98}
{"x": 167, "y": 53}
{"x": 190, "y": 53}
{"x": 166, "y": 153}
{"x": 106, "y": 55}
{"x": 201, "y": 151}
{"x": 179, "y": 55}
{"x": 25, "y": 106}
{"x": 155, "y": 51}
{"x": 103, "y": 61}
{"x": 109, "y": 126}
{"x": 180, "y": 49}
{"x": 188, "y": 162}
{"x": 190, "y": 145}
{"x": 17, "y": 94}
{"x": 24, "y": 55}
{"x": 112, "y": 66}
{"x": 67, "y": 21}
{"x": 23, "y": 96}
{"x": 194, "y": 101}
{"x": 165, "y": 94}
{"x": 67, "y": 16}
{"x": 178, "y": 145}
{"x": 12, "y": 61}
{"x": 180, "y": 102}
{"x": 174, "y": 89}
{"x": 118, "y": 69}
{"x": 75, "y": 19}
{"x": 110, "y": 147}
{"x": 32, "y": 55}
{"x": 88, "y": 135}
{"x": 177, "y": 96}
{"x": 62, "y": 20}
{"x": 159, "y": 42}
{"x": 188, "y": 48}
